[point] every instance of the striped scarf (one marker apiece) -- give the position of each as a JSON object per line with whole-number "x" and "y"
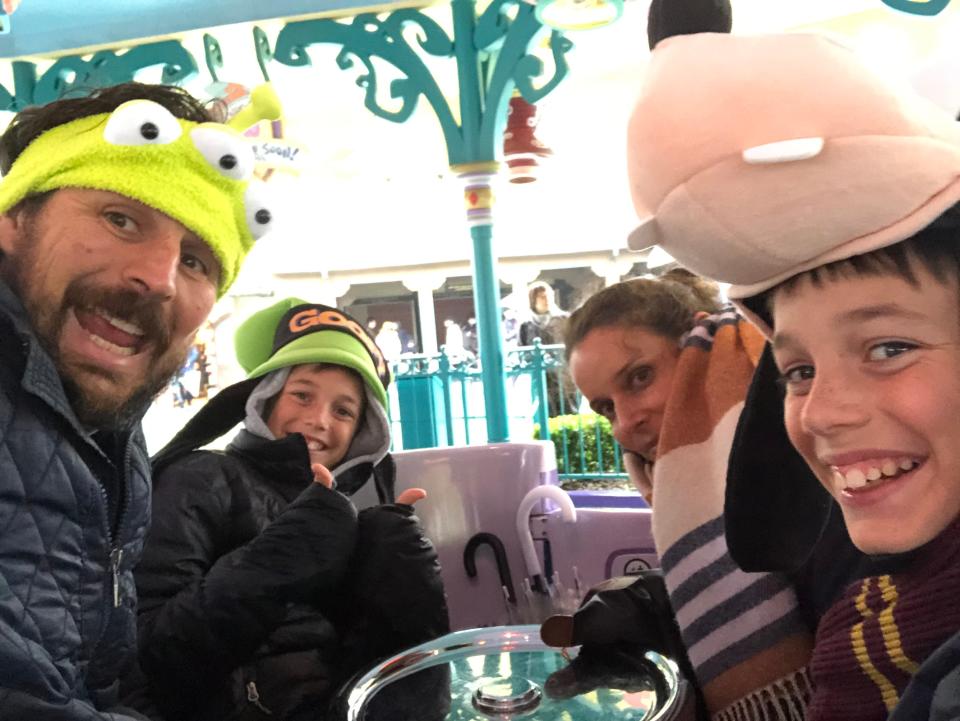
{"x": 871, "y": 642}
{"x": 743, "y": 631}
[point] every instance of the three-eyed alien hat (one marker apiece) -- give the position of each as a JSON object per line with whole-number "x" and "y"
{"x": 200, "y": 174}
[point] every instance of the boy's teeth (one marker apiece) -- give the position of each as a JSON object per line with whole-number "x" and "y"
{"x": 860, "y": 477}
{"x": 125, "y": 326}
{"x": 856, "y": 479}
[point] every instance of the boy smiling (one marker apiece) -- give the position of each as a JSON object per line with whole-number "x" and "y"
{"x": 829, "y": 202}
{"x": 871, "y": 367}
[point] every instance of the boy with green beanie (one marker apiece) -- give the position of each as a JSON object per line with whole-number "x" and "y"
{"x": 261, "y": 587}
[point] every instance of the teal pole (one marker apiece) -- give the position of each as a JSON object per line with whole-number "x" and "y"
{"x": 468, "y": 78}
{"x": 486, "y": 299}
{"x": 477, "y": 178}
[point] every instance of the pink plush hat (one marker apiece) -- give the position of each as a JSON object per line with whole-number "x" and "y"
{"x": 757, "y": 158}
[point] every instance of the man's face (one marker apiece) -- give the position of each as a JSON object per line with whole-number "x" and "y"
{"x": 872, "y": 373}
{"x": 115, "y": 291}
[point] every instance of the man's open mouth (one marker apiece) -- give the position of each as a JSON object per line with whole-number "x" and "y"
{"x": 107, "y": 331}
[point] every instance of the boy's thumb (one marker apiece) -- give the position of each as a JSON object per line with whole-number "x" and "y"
{"x": 411, "y": 496}
{"x": 322, "y": 475}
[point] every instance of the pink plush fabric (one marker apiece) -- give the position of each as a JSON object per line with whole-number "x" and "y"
{"x": 889, "y": 165}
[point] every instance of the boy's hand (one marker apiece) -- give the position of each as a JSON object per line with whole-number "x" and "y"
{"x": 322, "y": 475}
{"x": 411, "y": 496}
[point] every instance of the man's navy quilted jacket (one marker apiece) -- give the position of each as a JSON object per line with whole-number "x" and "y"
{"x": 72, "y": 523}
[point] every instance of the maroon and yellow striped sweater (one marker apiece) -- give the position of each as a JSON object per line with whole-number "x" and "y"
{"x": 875, "y": 637}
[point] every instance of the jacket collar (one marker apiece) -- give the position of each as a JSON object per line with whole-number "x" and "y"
{"x": 286, "y": 462}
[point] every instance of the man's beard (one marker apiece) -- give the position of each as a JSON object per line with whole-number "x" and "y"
{"x": 95, "y": 408}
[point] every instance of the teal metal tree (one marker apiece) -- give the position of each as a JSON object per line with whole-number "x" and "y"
{"x": 493, "y": 55}
{"x": 494, "y": 58}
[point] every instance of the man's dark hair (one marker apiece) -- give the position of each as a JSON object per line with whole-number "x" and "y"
{"x": 31, "y": 122}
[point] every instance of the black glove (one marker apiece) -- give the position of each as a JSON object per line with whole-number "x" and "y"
{"x": 617, "y": 622}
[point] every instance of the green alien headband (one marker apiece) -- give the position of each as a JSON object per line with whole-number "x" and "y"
{"x": 200, "y": 174}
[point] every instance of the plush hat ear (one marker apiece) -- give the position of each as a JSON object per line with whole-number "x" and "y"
{"x": 686, "y": 17}
{"x": 775, "y": 509}
{"x": 254, "y": 338}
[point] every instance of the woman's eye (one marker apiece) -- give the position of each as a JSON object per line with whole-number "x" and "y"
{"x": 606, "y": 410}
{"x": 346, "y": 412}
{"x": 889, "y": 349}
{"x": 301, "y": 396}
{"x": 797, "y": 378}
{"x": 640, "y": 377}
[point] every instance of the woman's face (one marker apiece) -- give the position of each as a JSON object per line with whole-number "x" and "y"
{"x": 626, "y": 374}
{"x": 323, "y": 404}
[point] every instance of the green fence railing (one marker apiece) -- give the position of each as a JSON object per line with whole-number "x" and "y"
{"x": 437, "y": 400}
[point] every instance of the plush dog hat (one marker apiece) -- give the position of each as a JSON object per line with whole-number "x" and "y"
{"x": 752, "y": 159}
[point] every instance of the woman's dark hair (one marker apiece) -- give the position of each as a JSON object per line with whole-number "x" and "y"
{"x": 665, "y": 306}
{"x": 31, "y": 122}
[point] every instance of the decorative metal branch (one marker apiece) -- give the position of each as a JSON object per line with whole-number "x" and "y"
{"x": 366, "y": 37}
{"x": 261, "y": 44}
{"x": 213, "y": 55}
{"x": 501, "y": 38}
{"x": 104, "y": 68}
{"x": 516, "y": 65}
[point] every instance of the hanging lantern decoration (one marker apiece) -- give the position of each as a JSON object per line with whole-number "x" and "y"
{"x": 233, "y": 96}
{"x": 521, "y": 148}
{"x": 578, "y": 14}
{"x": 7, "y": 8}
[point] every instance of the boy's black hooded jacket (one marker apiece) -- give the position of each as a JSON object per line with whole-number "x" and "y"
{"x": 262, "y": 591}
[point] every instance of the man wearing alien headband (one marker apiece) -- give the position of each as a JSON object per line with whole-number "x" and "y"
{"x": 123, "y": 217}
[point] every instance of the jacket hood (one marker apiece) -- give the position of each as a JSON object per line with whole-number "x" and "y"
{"x": 370, "y": 443}
{"x": 225, "y": 410}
